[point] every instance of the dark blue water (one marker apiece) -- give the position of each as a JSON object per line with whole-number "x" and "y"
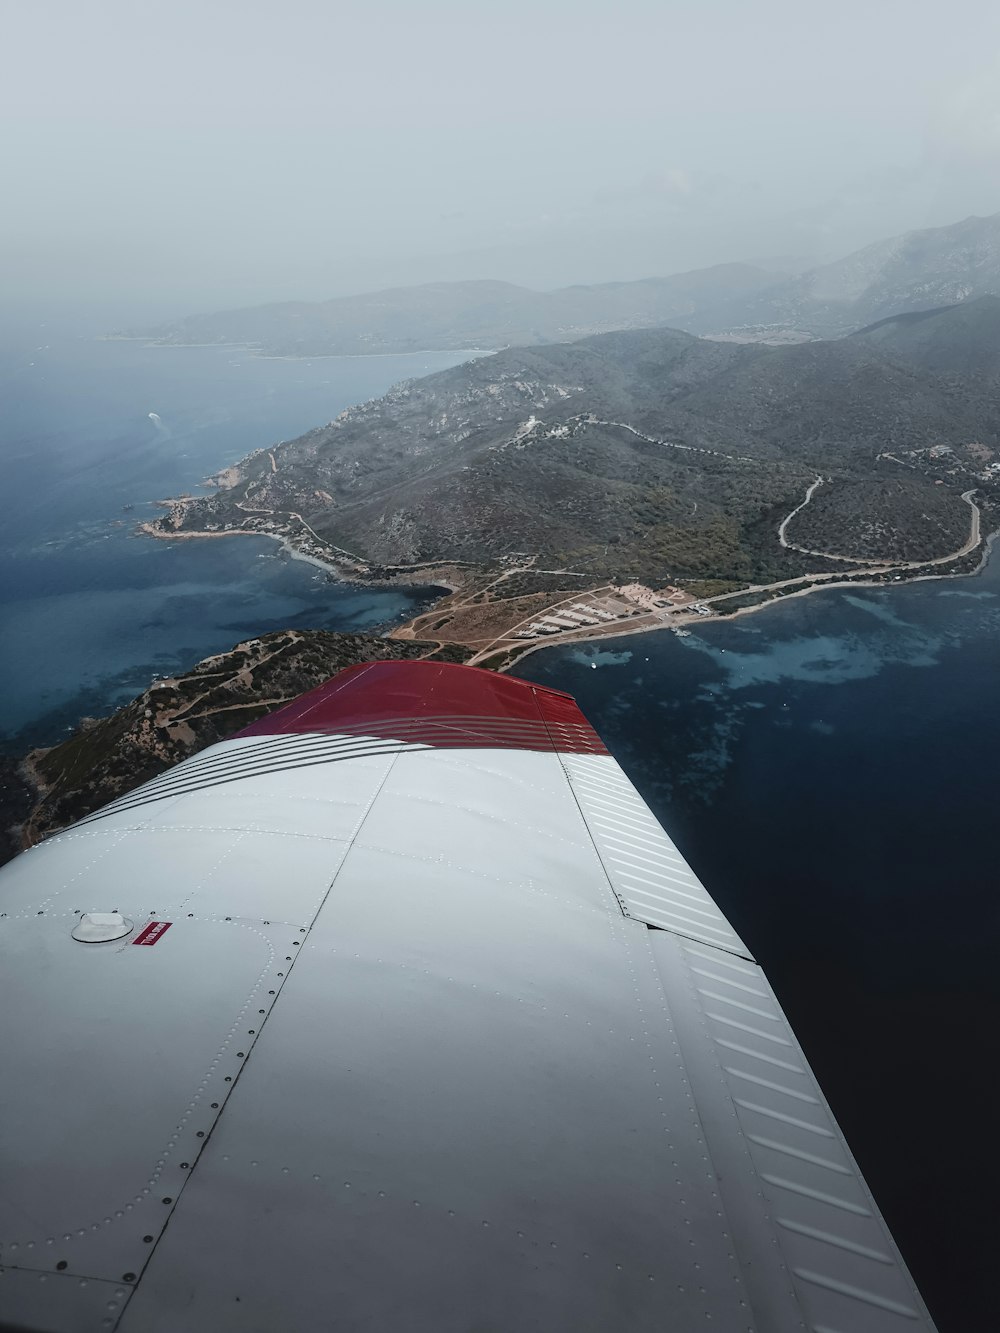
{"x": 88, "y": 610}
{"x": 828, "y": 766}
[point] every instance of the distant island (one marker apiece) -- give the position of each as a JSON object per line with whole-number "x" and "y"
{"x": 633, "y": 480}
{"x": 917, "y": 271}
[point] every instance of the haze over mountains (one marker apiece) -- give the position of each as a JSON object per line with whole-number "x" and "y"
{"x": 916, "y": 271}
{"x": 480, "y": 314}
{"x": 919, "y": 270}
{"x": 649, "y": 454}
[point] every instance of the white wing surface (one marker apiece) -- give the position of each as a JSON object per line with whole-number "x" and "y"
{"x": 422, "y": 1022}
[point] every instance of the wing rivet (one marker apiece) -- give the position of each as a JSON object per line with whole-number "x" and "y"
{"x": 168, "y": 1199}
{"x": 148, "y": 1240}
{"x": 128, "y": 1277}
{"x": 61, "y": 1265}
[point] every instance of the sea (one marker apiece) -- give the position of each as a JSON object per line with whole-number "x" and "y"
{"x": 92, "y": 433}
{"x": 826, "y": 764}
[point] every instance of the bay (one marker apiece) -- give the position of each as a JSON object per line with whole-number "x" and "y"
{"x": 828, "y": 767}
{"x": 91, "y": 433}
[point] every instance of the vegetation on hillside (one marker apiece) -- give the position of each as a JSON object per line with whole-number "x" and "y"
{"x": 175, "y": 718}
{"x": 652, "y": 456}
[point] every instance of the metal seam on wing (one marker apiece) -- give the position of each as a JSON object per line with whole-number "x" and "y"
{"x": 649, "y": 876}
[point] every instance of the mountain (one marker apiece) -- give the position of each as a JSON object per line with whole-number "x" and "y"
{"x": 962, "y": 340}
{"x": 449, "y": 315}
{"x": 647, "y": 455}
{"x": 918, "y": 271}
{"x": 176, "y": 718}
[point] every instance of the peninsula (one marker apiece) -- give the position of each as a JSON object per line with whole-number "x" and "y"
{"x": 633, "y": 480}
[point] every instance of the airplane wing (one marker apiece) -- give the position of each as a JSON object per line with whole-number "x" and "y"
{"x": 400, "y": 1010}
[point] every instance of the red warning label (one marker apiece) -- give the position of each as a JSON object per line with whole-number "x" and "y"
{"x": 153, "y": 932}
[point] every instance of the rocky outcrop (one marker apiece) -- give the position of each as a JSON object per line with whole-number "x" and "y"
{"x": 175, "y": 718}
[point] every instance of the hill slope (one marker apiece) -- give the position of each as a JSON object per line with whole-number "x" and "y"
{"x": 920, "y": 270}
{"x": 651, "y": 455}
{"x": 960, "y": 340}
{"x": 175, "y": 718}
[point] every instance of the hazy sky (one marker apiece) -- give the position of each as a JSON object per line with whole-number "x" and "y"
{"x": 186, "y": 154}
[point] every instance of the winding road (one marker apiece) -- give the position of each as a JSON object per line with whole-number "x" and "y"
{"x": 970, "y": 545}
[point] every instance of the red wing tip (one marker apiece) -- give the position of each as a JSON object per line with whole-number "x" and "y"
{"x": 441, "y": 704}
{"x": 442, "y": 669}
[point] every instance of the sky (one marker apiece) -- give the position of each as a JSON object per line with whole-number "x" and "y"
{"x": 169, "y": 156}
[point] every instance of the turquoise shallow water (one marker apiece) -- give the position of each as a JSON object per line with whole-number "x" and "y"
{"x": 828, "y": 766}
{"x": 88, "y": 610}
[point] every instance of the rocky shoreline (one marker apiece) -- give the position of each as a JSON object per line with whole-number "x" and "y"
{"x": 645, "y": 610}
{"x": 170, "y": 721}
{"x": 173, "y": 719}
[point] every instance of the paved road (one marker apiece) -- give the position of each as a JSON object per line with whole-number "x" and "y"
{"x": 970, "y": 545}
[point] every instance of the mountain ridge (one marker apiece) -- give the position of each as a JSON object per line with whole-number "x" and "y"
{"x": 477, "y": 314}
{"x": 917, "y": 270}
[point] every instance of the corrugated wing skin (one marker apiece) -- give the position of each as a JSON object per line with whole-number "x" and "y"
{"x": 652, "y": 880}
{"x": 442, "y": 1035}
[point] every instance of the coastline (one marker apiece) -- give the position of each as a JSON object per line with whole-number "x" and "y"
{"x": 681, "y": 619}
{"x": 253, "y": 349}
{"x": 446, "y": 577}
{"x": 430, "y": 575}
